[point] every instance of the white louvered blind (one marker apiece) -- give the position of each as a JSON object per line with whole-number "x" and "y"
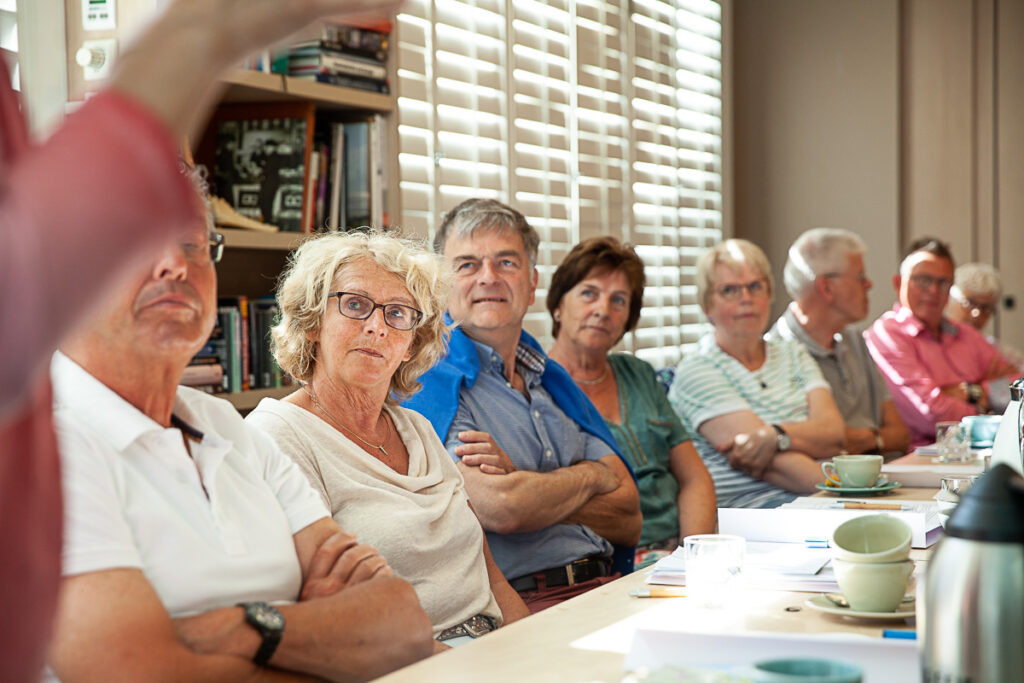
{"x": 9, "y": 39}
{"x": 590, "y": 117}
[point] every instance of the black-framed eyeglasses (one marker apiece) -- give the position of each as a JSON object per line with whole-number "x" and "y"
{"x": 756, "y": 289}
{"x": 926, "y": 282}
{"x": 359, "y": 307}
{"x": 209, "y": 251}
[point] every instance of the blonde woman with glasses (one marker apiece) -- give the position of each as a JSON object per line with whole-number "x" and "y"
{"x": 361, "y": 320}
{"x": 760, "y": 411}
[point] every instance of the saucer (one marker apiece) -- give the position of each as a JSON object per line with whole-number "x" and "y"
{"x": 857, "y": 491}
{"x": 822, "y": 604}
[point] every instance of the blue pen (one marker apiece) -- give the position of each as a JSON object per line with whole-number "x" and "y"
{"x": 901, "y": 635}
{"x": 816, "y": 542}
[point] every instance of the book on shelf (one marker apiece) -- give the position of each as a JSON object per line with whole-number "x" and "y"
{"x": 343, "y": 81}
{"x": 241, "y": 344}
{"x": 358, "y": 39}
{"x": 325, "y": 61}
{"x": 260, "y": 156}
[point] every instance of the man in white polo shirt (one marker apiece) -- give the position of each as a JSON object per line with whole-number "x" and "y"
{"x": 184, "y": 524}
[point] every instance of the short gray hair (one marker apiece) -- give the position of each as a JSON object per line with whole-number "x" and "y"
{"x": 977, "y": 278}
{"x": 487, "y": 214}
{"x": 732, "y": 253}
{"x": 818, "y": 252}
{"x": 306, "y": 284}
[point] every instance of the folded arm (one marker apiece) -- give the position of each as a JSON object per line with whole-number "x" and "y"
{"x": 614, "y": 515}
{"x": 750, "y": 446}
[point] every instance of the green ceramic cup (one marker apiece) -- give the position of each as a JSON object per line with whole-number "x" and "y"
{"x": 801, "y": 670}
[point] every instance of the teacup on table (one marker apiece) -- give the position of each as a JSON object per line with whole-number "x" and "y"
{"x": 981, "y": 429}
{"x": 869, "y": 556}
{"x": 854, "y": 471}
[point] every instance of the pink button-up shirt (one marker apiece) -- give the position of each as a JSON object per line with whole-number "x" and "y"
{"x": 916, "y": 365}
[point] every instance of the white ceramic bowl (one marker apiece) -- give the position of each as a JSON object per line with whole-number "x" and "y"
{"x": 871, "y": 539}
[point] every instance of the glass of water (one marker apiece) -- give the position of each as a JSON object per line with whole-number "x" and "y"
{"x": 714, "y": 564}
{"x": 953, "y": 442}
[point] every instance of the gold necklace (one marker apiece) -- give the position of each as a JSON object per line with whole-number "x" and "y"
{"x": 308, "y": 388}
{"x": 594, "y": 382}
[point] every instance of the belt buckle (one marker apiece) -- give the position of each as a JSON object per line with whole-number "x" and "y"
{"x": 478, "y": 625}
{"x": 570, "y": 574}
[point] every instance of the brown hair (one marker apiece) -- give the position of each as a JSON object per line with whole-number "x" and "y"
{"x": 605, "y": 254}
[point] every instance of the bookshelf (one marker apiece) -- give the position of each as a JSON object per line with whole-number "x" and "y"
{"x": 253, "y": 260}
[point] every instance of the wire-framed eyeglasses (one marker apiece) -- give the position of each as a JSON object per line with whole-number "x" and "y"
{"x": 209, "y": 251}
{"x": 755, "y": 289}
{"x": 359, "y": 307}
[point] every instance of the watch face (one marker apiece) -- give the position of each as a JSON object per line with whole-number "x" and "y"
{"x": 783, "y": 442}
{"x": 268, "y": 617}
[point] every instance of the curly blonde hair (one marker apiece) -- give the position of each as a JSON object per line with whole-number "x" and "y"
{"x": 302, "y": 295}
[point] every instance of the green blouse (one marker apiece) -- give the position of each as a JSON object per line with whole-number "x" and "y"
{"x": 650, "y": 428}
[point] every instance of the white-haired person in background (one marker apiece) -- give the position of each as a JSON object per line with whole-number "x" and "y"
{"x": 974, "y": 299}
{"x": 825, "y": 278}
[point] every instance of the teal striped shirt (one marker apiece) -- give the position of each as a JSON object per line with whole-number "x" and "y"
{"x": 710, "y": 383}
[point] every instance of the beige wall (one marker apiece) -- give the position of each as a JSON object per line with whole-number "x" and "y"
{"x": 892, "y": 119}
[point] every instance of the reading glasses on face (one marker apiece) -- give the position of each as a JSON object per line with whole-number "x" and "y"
{"x": 359, "y": 307}
{"x": 209, "y": 251}
{"x": 926, "y": 282}
{"x": 976, "y": 308}
{"x": 734, "y": 292}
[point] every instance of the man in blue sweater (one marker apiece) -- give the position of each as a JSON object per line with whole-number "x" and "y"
{"x": 541, "y": 469}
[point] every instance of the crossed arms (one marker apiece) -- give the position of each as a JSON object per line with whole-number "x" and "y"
{"x": 749, "y": 444}
{"x": 112, "y": 625}
{"x": 598, "y": 494}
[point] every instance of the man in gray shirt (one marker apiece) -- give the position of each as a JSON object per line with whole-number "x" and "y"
{"x": 824, "y": 275}
{"x": 540, "y": 467}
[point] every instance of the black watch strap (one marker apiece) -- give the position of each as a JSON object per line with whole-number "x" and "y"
{"x": 269, "y": 623}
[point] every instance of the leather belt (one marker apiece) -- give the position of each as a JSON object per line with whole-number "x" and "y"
{"x": 474, "y": 627}
{"x": 577, "y": 572}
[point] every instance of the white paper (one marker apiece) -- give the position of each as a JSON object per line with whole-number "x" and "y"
{"x": 773, "y": 566}
{"x": 881, "y": 659}
{"x": 815, "y": 521}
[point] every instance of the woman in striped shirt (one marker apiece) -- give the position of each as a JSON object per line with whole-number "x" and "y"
{"x": 760, "y": 412}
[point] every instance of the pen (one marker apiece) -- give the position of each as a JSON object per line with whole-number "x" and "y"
{"x": 868, "y": 506}
{"x": 657, "y": 593}
{"x": 816, "y": 542}
{"x": 901, "y": 635}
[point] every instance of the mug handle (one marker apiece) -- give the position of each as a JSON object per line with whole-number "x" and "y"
{"x": 831, "y": 476}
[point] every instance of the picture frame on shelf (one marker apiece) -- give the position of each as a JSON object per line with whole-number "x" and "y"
{"x": 258, "y": 156}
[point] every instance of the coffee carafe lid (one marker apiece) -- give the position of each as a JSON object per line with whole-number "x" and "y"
{"x": 992, "y": 509}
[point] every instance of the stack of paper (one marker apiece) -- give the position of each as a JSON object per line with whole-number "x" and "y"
{"x": 814, "y": 519}
{"x": 921, "y": 469}
{"x": 774, "y": 566}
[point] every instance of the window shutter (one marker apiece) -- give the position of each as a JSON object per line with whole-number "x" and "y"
{"x": 9, "y": 39}
{"x": 590, "y": 117}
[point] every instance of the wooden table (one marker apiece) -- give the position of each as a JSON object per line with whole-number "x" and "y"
{"x": 539, "y": 648}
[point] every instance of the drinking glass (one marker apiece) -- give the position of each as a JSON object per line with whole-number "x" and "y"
{"x": 953, "y": 441}
{"x": 714, "y": 564}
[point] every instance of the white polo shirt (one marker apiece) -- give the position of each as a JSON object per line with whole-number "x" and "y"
{"x": 208, "y": 529}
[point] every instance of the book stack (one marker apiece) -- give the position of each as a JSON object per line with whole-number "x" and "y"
{"x": 345, "y": 55}
{"x": 204, "y": 371}
{"x": 241, "y": 343}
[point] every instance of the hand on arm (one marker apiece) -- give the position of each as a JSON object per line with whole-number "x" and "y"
{"x": 479, "y": 449}
{"x": 332, "y": 559}
{"x": 698, "y": 513}
{"x": 113, "y": 621}
{"x": 822, "y": 434}
{"x": 789, "y": 470}
{"x": 528, "y": 501}
{"x": 613, "y": 515}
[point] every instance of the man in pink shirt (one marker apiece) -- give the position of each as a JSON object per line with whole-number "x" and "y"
{"x": 76, "y": 212}
{"x": 936, "y": 369}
